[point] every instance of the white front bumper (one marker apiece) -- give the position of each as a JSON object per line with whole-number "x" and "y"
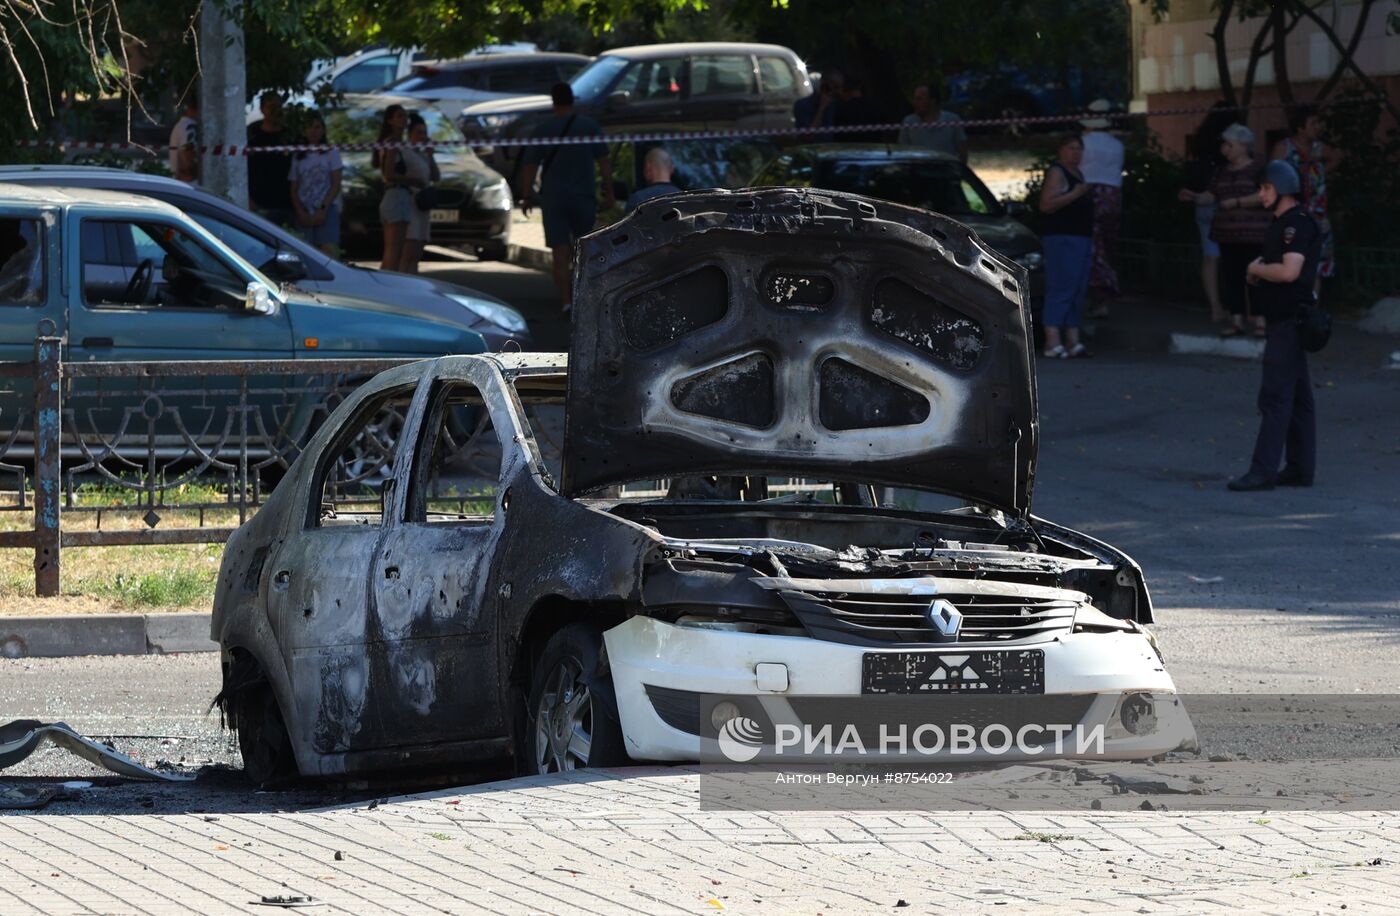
{"x": 643, "y": 651}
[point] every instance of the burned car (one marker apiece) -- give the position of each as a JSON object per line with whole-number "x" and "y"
{"x": 769, "y": 393}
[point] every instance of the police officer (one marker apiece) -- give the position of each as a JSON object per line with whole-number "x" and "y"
{"x": 1281, "y": 279}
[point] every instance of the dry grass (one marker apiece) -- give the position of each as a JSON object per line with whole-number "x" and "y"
{"x": 113, "y": 580}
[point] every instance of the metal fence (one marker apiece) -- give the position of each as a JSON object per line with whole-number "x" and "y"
{"x": 1173, "y": 269}
{"x": 201, "y": 442}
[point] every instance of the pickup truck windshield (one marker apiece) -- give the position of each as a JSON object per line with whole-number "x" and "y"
{"x": 594, "y": 79}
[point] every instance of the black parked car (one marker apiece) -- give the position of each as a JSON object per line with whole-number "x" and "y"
{"x": 916, "y": 177}
{"x": 473, "y": 201}
{"x": 487, "y": 77}
{"x": 283, "y": 256}
{"x": 668, "y": 87}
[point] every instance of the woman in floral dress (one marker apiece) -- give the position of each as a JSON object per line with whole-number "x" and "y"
{"x": 1304, "y": 150}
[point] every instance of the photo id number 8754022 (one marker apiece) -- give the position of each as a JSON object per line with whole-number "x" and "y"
{"x": 922, "y": 777}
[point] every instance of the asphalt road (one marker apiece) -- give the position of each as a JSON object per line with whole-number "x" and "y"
{"x": 1290, "y": 591}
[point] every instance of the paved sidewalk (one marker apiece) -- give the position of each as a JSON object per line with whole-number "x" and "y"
{"x": 637, "y": 841}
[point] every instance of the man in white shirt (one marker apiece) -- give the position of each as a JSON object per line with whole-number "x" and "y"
{"x": 932, "y": 127}
{"x": 184, "y": 144}
{"x": 1103, "y": 171}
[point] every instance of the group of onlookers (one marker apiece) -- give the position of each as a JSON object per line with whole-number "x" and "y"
{"x": 1224, "y": 181}
{"x": 300, "y": 190}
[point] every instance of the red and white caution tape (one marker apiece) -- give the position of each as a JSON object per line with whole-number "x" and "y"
{"x": 649, "y": 137}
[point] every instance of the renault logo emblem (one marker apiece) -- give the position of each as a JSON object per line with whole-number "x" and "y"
{"x": 945, "y": 619}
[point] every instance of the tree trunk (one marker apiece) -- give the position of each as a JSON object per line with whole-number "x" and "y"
{"x": 1222, "y": 55}
{"x": 221, "y": 100}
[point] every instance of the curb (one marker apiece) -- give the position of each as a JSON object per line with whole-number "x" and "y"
{"x": 533, "y": 258}
{"x": 1203, "y": 345}
{"x": 104, "y": 634}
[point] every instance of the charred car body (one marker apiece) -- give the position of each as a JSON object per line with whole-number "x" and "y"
{"x": 724, "y": 344}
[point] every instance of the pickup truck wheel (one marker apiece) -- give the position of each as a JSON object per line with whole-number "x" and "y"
{"x": 573, "y": 721}
{"x": 262, "y": 738}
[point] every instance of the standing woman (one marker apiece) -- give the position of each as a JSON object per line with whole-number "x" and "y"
{"x": 315, "y": 183}
{"x": 421, "y": 171}
{"x": 1204, "y": 147}
{"x": 396, "y": 206}
{"x": 1304, "y": 150}
{"x": 1239, "y": 223}
{"x": 1067, "y": 234}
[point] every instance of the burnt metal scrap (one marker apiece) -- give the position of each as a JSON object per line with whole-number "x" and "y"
{"x": 730, "y": 350}
{"x": 22, "y": 737}
{"x": 880, "y": 342}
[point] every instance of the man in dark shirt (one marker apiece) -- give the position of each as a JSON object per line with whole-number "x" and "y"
{"x": 854, "y": 108}
{"x": 268, "y": 189}
{"x": 1281, "y": 279}
{"x": 569, "y": 186}
{"x": 819, "y": 108}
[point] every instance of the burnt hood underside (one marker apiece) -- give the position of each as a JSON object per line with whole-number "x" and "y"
{"x": 805, "y": 333}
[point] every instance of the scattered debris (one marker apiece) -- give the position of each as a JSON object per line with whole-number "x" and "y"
{"x": 287, "y": 900}
{"x": 27, "y": 798}
{"x": 20, "y": 738}
{"x": 1205, "y": 580}
{"x": 1040, "y": 837}
{"x": 339, "y": 856}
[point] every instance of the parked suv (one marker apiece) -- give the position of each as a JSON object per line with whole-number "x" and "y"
{"x": 284, "y": 257}
{"x": 668, "y": 87}
{"x": 487, "y": 77}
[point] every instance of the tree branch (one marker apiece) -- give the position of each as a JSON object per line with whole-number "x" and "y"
{"x": 1350, "y": 64}
{"x": 1349, "y": 52}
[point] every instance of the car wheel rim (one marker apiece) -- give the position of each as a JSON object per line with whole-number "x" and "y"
{"x": 564, "y": 721}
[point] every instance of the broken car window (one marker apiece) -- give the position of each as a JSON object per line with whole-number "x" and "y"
{"x": 352, "y": 477}
{"x": 21, "y": 262}
{"x": 457, "y": 465}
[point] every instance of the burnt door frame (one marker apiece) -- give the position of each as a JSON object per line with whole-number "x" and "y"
{"x": 432, "y": 590}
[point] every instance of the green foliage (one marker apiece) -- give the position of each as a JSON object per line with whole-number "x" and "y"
{"x": 45, "y": 57}
{"x": 1364, "y": 187}
{"x": 897, "y": 44}
{"x": 451, "y": 27}
{"x": 167, "y": 588}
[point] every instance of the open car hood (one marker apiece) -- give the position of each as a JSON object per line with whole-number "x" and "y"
{"x": 800, "y": 332}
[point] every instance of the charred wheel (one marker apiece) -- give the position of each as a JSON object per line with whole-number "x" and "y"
{"x": 573, "y": 721}
{"x": 268, "y": 759}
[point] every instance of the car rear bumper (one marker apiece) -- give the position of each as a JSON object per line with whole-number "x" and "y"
{"x": 474, "y": 228}
{"x": 666, "y": 675}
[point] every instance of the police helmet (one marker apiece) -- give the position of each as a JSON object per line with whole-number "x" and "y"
{"x": 1283, "y": 177}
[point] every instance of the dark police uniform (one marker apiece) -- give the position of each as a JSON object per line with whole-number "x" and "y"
{"x": 1288, "y": 422}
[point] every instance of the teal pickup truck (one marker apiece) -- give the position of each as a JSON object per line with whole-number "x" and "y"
{"x": 124, "y": 277}
{"x": 121, "y": 277}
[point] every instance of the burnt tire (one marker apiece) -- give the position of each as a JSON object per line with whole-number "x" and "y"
{"x": 268, "y": 759}
{"x": 571, "y": 719}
